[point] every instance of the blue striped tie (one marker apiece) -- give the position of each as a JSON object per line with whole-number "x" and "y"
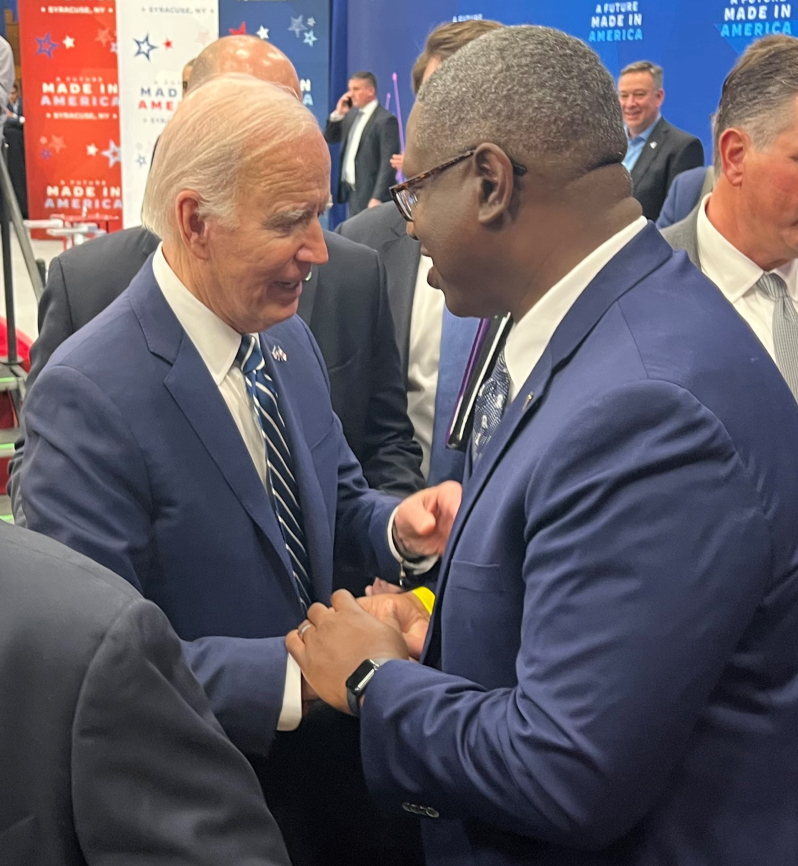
{"x": 785, "y": 327}
{"x": 283, "y": 486}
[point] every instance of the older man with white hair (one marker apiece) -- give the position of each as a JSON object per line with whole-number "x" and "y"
{"x": 185, "y": 439}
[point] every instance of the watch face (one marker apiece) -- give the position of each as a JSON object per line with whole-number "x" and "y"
{"x": 360, "y": 678}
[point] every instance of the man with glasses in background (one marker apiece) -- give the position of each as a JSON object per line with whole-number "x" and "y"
{"x": 656, "y": 151}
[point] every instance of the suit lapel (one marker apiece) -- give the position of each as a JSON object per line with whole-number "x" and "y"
{"x": 651, "y": 150}
{"x": 646, "y": 252}
{"x": 318, "y": 538}
{"x": 307, "y": 300}
{"x": 196, "y": 394}
{"x": 401, "y": 256}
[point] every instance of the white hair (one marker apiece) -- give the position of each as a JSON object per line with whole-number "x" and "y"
{"x": 222, "y": 139}
{"x": 541, "y": 95}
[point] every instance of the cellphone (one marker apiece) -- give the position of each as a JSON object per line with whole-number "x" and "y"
{"x": 348, "y": 101}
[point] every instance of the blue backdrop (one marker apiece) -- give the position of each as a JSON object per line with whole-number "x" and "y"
{"x": 696, "y": 41}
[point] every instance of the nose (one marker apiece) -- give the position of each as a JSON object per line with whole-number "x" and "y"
{"x": 314, "y": 249}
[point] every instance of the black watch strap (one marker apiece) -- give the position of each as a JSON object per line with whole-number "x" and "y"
{"x": 357, "y": 683}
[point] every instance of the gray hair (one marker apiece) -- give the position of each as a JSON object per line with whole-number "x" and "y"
{"x": 542, "y": 96}
{"x": 757, "y": 93}
{"x": 652, "y": 69}
{"x": 223, "y": 138}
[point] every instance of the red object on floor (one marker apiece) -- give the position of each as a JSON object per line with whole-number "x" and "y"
{"x": 8, "y": 416}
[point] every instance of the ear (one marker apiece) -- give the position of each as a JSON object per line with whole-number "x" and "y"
{"x": 733, "y": 146}
{"x": 496, "y": 180}
{"x": 191, "y": 225}
{"x": 660, "y": 96}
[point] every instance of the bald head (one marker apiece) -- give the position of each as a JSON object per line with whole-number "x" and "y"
{"x": 245, "y": 55}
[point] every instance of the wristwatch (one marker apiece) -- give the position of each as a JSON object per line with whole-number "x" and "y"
{"x": 357, "y": 682}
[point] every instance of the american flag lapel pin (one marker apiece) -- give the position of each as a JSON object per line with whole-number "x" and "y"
{"x": 653, "y": 144}
{"x": 278, "y": 354}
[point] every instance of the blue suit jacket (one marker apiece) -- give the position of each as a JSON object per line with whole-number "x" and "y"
{"x": 683, "y": 196}
{"x": 134, "y": 459}
{"x": 617, "y": 613}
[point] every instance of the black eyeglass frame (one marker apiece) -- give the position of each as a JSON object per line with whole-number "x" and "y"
{"x": 400, "y": 191}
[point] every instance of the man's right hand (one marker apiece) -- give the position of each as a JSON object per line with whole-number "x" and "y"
{"x": 344, "y": 103}
{"x": 411, "y": 614}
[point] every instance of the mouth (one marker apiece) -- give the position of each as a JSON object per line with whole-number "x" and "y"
{"x": 288, "y": 291}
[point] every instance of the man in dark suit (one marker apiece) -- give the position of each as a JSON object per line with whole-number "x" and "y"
{"x": 343, "y": 301}
{"x": 611, "y": 666}
{"x": 104, "y": 728}
{"x": 369, "y": 136}
{"x": 656, "y": 151}
{"x": 185, "y": 439}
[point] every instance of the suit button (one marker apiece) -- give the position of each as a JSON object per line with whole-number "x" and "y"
{"x": 432, "y": 813}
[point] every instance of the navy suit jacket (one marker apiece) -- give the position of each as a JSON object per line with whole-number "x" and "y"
{"x": 687, "y": 190}
{"x": 133, "y": 458}
{"x": 611, "y": 671}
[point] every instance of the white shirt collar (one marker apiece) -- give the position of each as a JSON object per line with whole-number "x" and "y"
{"x": 529, "y": 337}
{"x": 216, "y": 342}
{"x": 369, "y": 109}
{"x": 731, "y": 271}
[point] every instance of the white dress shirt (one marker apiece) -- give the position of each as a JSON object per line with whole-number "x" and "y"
{"x": 353, "y": 142}
{"x": 529, "y": 337}
{"x": 736, "y": 276}
{"x": 217, "y": 344}
{"x": 424, "y": 353}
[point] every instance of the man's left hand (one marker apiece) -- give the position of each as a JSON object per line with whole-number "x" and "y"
{"x": 337, "y": 640}
{"x": 424, "y": 520}
{"x": 374, "y": 202}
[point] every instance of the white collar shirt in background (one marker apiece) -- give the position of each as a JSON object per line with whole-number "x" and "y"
{"x": 736, "y": 276}
{"x": 353, "y": 142}
{"x": 423, "y": 358}
{"x": 529, "y": 337}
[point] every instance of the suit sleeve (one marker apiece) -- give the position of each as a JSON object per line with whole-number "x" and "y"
{"x": 55, "y": 326}
{"x": 389, "y": 145}
{"x": 691, "y": 156}
{"x": 646, "y": 556}
{"x": 101, "y": 507}
{"x": 667, "y": 216}
{"x": 154, "y": 777}
{"x": 391, "y": 456}
{"x": 333, "y": 131}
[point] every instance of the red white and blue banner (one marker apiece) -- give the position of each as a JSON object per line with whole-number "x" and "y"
{"x": 156, "y": 40}
{"x": 71, "y": 86}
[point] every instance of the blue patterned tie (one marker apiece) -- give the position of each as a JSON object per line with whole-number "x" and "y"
{"x": 489, "y": 407}
{"x": 283, "y": 486}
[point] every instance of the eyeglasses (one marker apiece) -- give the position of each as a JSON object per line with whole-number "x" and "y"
{"x": 405, "y": 194}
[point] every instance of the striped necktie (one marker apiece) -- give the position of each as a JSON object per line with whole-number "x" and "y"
{"x": 282, "y": 484}
{"x": 785, "y": 327}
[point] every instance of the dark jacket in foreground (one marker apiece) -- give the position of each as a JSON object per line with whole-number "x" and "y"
{"x": 109, "y": 753}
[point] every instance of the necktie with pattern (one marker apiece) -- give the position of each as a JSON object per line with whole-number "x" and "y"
{"x": 283, "y": 487}
{"x": 489, "y": 406}
{"x": 785, "y": 327}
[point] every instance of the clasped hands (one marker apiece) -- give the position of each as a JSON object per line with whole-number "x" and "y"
{"x": 335, "y": 640}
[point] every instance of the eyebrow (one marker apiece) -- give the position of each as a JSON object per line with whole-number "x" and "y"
{"x": 290, "y": 218}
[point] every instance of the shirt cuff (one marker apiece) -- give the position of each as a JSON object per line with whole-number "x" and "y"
{"x": 417, "y": 566}
{"x": 291, "y": 713}
{"x": 335, "y": 117}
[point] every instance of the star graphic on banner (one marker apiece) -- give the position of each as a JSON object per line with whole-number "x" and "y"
{"x": 69, "y": 42}
{"x": 239, "y": 31}
{"x": 204, "y": 37}
{"x": 297, "y": 26}
{"x": 310, "y": 38}
{"x": 168, "y": 44}
{"x": 43, "y": 140}
{"x": 91, "y": 150}
{"x": 104, "y": 36}
{"x": 144, "y": 47}
{"x": 112, "y": 154}
{"x": 311, "y": 22}
{"x": 141, "y": 160}
{"x": 57, "y": 143}
{"x": 46, "y": 154}
{"x": 263, "y": 32}
{"x": 46, "y": 45}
